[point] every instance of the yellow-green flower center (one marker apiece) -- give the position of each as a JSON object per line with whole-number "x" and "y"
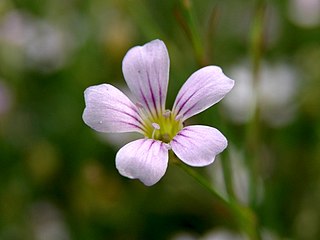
{"x": 163, "y": 127}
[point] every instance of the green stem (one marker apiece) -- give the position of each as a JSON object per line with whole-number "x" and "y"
{"x": 244, "y": 216}
{"x": 228, "y": 179}
{"x": 253, "y": 128}
{"x": 188, "y": 23}
{"x": 200, "y": 179}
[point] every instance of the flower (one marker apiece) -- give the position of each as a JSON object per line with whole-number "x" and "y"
{"x": 274, "y": 94}
{"x": 304, "y": 13}
{"x": 146, "y": 71}
{"x": 41, "y": 44}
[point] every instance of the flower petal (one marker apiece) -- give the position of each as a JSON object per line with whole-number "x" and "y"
{"x": 204, "y": 88}
{"x": 146, "y": 71}
{"x": 109, "y": 110}
{"x": 143, "y": 159}
{"x": 198, "y": 145}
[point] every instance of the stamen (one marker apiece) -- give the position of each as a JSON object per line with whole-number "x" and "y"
{"x": 139, "y": 105}
{"x": 179, "y": 117}
{"x": 166, "y": 113}
{"x": 142, "y": 111}
{"x": 155, "y": 128}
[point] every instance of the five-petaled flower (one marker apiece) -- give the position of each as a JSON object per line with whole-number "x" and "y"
{"x": 146, "y": 71}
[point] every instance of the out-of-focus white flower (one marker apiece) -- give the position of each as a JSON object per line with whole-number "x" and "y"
{"x": 305, "y": 13}
{"x": 225, "y": 234}
{"x": 45, "y": 44}
{"x": 241, "y": 103}
{"x": 222, "y": 234}
{"x": 277, "y": 91}
{"x": 274, "y": 94}
{"x": 240, "y": 177}
{"x": 146, "y": 71}
{"x": 13, "y": 28}
{"x": 47, "y": 222}
{"x": 216, "y": 234}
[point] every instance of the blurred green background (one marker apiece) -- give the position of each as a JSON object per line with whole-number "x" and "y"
{"x": 58, "y": 179}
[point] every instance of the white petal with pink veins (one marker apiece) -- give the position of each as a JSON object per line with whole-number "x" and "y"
{"x": 203, "y": 89}
{"x": 143, "y": 159}
{"x": 109, "y": 110}
{"x": 146, "y": 71}
{"x": 198, "y": 145}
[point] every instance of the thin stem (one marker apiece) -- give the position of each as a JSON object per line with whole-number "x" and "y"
{"x": 187, "y": 20}
{"x": 253, "y": 128}
{"x": 210, "y": 32}
{"x": 244, "y": 216}
{"x": 228, "y": 178}
{"x": 200, "y": 179}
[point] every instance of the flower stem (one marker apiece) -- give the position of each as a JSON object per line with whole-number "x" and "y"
{"x": 228, "y": 179}
{"x": 187, "y": 20}
{"x": 253, "y": 128}
{"x": 243, "y": 216}
{"x": 200, "y": 179}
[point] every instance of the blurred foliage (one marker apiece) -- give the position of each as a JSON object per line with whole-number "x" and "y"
{"x": 58, "y": 179}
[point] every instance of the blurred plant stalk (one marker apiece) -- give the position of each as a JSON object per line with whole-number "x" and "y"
{"x": 186, "y": 19}
{"x": 244, "y": 216}
{"x": 256, "y": 46}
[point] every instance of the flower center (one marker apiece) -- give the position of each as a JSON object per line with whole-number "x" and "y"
{"x": 163, "y": 127}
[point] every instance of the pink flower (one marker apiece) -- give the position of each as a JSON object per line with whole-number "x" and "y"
{"x": 146, "y": 71}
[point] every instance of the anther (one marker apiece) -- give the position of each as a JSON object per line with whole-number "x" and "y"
{"x": 155, "y": 128}
{"x": 166, "y": 113}
{"x": 179, "y": 117}
{"x": 139, "y": 105}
